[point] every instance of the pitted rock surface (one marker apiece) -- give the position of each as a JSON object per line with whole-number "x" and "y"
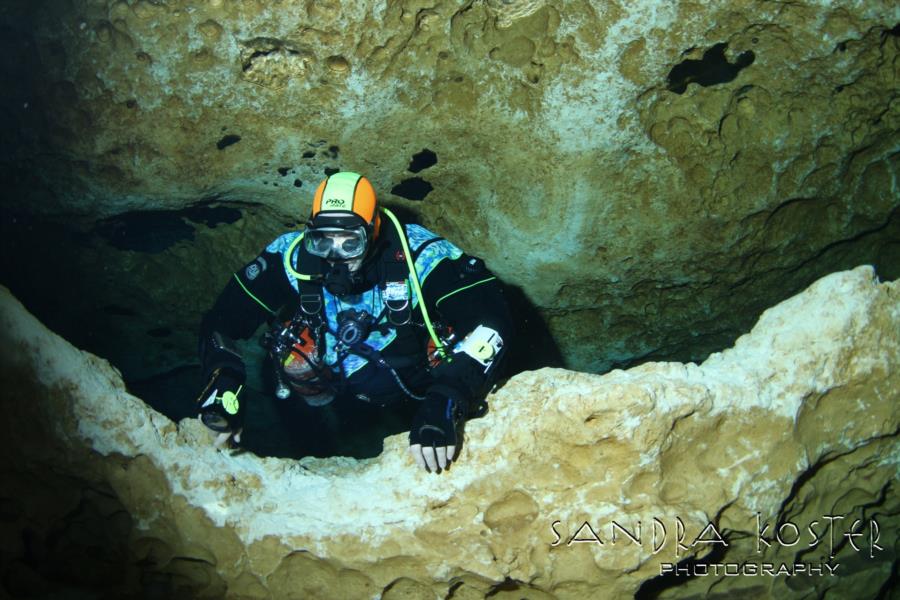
{"x": 799, "y": 419}
{"x": 645, "y": 218}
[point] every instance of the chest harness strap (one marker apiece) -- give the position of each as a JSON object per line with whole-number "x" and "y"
{"x": 396, "y": 291}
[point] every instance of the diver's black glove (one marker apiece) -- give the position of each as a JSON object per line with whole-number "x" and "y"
{"x": 433, "y": 435}
{"x": 220, "y": 406}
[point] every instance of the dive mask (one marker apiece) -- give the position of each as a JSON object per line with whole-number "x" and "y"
{"x": 336, "y": 243}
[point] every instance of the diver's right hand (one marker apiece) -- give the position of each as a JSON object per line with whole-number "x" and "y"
{"x": 220, "y": 408}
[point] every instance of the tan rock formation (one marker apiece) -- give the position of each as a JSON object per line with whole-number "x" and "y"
{"x": 797, "y": 421}
{"x": 654, "y": 223}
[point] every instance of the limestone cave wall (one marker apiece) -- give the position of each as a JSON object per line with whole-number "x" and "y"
{"x": 646, "y": 176}
{"x": 790, "y": 434}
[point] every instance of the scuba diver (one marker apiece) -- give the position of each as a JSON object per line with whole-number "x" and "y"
{"x": 379, "y": 312}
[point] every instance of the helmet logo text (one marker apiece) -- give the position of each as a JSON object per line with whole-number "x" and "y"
{"x": 336, "y": 202}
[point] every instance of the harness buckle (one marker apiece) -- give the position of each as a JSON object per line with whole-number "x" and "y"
{"x": 311, "y": 304}
{"x": 404, "y": 319}
{"x": 396, "y": 299}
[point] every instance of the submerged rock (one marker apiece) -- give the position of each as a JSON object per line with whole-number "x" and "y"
{"x": 561, "y": 491}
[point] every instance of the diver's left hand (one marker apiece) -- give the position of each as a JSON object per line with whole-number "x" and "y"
{"x": 221, "y": 411}
{"x": 225, "y": 438}
{"x": 228, "y": 439}
{"x": 432, "y": 437}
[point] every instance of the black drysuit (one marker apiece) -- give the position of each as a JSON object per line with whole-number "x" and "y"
{"x": 458, "y": 290}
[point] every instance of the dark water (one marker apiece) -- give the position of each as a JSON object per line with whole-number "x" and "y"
{"x": 284, "y": 428}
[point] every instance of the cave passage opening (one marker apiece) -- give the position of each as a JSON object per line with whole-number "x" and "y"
{"x": 133, "y": 290}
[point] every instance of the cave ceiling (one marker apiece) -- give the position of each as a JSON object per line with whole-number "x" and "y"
{"x": 646, "y": 177}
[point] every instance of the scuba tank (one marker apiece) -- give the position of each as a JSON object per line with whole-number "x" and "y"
{"x": 296, "y": 363}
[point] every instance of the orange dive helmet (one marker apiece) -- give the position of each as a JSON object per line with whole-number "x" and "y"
{"x": 345, "y": 217}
